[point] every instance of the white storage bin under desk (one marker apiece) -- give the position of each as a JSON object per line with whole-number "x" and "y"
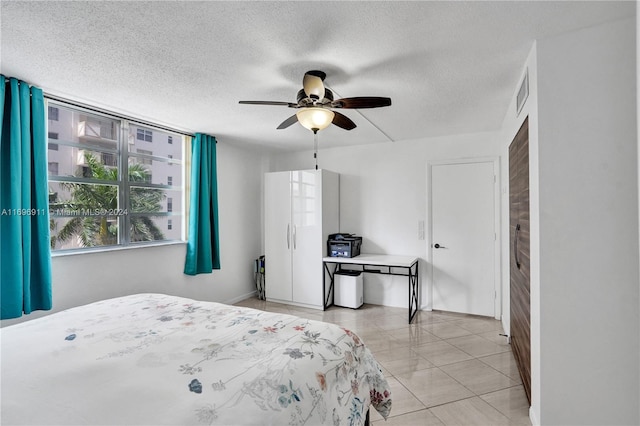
{"x": 348, "y": 289}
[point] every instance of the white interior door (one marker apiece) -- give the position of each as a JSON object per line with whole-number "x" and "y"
{"x": 463, "y": 239}
{"x": 278, "y": 236}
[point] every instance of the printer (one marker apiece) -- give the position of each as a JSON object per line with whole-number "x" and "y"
{"x": 343, "y": 245}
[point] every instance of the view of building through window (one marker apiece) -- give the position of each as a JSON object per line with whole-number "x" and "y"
{"x": 111, "y": 182}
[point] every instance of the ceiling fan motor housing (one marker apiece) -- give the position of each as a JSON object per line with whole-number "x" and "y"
{"x": 304, "y": 100}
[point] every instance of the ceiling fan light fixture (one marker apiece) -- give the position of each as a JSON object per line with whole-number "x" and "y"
{"x": 314, "y": 118}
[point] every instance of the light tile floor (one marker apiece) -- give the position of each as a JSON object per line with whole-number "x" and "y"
{"x": 443, "y": 369}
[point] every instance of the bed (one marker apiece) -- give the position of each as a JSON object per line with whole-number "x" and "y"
{"x": 153, "y": 359}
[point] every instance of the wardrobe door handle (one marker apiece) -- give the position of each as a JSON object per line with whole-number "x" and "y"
{"x": 288, "y": 236}
{"x": 295, "y": 233}
{"x": 515, "y": 245}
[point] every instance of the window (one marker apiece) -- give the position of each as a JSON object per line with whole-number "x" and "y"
{"x": 53, "y": 113}
{"x": 97, "y": 129}
{"x": 52, "y": 167}
{"x": 170, "y": 140}
{"x": 144, "y": 135}
{"x": 170, "y": 180}
{"x": 52, "y": 146}
{"x": 103, "y": 189}
{"x": 109, "y": 159}
{"x": 143, "y": 160}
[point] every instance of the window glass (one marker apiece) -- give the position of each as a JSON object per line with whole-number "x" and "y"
{"x": 158, "y": 159}
{"x": 53, "y": 113}
{"x": 83, "y": 215}
{"x": 144, "y": 135}
{"x": 154, "y": 228}
{"x": 91, "y": 202}
{"x": 52, "y": 168}
{"x": 76, "y": 161}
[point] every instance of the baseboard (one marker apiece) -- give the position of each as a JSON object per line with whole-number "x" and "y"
{"x": 240, "y": 298}
{"x": 532, "y": 417}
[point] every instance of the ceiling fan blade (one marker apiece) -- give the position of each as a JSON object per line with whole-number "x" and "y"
{"x": 343, "y": 121}
{"x": 361, "y": 102}
{"x": 287, "y": 104}
{"x": 288, "y": 122}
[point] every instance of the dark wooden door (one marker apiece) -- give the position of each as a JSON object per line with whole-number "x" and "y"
{"x": 519, "y": 263}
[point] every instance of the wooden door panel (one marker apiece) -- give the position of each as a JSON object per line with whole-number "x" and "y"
{"x": 519, "y": 237}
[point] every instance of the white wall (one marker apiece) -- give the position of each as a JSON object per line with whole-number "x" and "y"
{"x": 82, "y": 278}
{"x": 584, "y": 226}
{"x": 638, "y": 145}
{"x": 589, "y": 323}
{"x": 383, "y": 195}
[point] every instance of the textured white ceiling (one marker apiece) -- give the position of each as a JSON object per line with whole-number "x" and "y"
{"x": 449, "y": 67}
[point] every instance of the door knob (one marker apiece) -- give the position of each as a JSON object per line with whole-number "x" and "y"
{"x": 436, "y": 245}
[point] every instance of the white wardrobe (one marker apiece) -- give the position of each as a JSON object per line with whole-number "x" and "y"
{"x": 301, "y": 210}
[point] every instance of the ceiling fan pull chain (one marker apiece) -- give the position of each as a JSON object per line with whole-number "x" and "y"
{"x": 315, "y": 147}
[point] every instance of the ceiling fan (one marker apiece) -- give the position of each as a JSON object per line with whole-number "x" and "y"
{"x": 315, "y": 105}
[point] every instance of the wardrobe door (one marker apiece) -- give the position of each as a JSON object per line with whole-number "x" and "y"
{"x": 278, "y": 236}
{"x": 315, "y": 206}
{"x": 306, "y": 198}
{"x": 519, "y": 256}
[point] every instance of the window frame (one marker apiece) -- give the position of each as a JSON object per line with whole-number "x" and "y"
{"x": 123, "y": 184}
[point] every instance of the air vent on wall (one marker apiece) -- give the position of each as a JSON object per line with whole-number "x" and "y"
{"x": 523, "y": 92}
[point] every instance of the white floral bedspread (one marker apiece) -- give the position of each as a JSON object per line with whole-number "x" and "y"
{"x": 156, "y": 359}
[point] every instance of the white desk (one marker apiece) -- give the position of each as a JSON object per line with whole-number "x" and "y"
{"x": 376, "y": 264}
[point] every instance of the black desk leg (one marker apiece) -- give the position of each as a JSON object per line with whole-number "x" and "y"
{"x": 331, "y": 277}
{"x": 413, "y": 291}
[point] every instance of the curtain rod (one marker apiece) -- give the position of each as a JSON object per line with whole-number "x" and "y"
{"x": 120, "y": 116}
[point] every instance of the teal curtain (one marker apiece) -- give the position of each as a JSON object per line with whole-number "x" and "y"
{"x": 203, "y": 247}
{"x": 25, "y": 254}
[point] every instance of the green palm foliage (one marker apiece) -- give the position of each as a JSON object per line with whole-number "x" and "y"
{"x": 97, "y": 230}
